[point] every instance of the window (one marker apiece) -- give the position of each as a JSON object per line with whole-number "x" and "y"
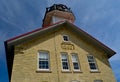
{"x": 64, "y": 59}
{"x": 65, "y": 38}
{"x": 98, "y": 81}
{"x": 43, "y": 60}
{"x": 92, "y": 63}
{"x": 75, "y": 62}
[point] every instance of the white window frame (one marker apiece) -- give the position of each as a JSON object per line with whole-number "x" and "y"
{"x": 77, "y": 61}
{"x": 40, "y": 69}
{"x": 92, "y": 62}
{"x": 67, "y": 38}
{"x": 64, "y": 53}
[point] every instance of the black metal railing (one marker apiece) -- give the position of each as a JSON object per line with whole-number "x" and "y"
{"x": 59, "y": 7}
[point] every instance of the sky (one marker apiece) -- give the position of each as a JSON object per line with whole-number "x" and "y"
{"x": 99, "y": 18}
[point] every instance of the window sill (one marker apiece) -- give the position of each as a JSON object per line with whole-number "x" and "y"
{"x": 77, "y": 71}
{"x": 66, "y": 71}
{"x": 94, "y": 71}
{"x": 43, "y": 71}
{"x": 66, "y": 42}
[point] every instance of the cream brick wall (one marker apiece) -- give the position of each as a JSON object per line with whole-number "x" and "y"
{"x": 25, "y": 60}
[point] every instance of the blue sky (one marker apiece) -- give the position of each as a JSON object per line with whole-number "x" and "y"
{"x": 100, "y": 18}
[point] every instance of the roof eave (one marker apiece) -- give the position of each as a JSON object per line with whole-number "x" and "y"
{"x": 96, "y": 42}
{"x": 16, "y": 40}
{"x": 40, "y": 31}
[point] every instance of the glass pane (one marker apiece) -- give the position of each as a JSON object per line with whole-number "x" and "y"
{"x": 90, "y": 59}
{"x": 92, "y": 66}
{"x": 43, "y": 55}
{"x": 43, "y": 65}
{"x": 65, "y": 38}
{"x": 65, "y": 65}
{"x": 64, "y": 56}
{"x": 74, "y": 58}
{"x": 76, "y": 65}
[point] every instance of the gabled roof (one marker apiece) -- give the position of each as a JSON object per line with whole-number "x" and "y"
{"x": 9, "y": 44}
{"x": 40, "y": 31}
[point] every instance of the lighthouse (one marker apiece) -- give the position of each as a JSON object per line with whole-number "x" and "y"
{"x": 56, "y": 13}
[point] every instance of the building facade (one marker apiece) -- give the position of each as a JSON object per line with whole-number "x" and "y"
{"x": 58, "y": 52}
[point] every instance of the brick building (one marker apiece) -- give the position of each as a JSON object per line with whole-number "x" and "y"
{"x": 58, "y": 52}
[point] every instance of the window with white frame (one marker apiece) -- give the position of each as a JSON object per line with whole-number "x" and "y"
{"x": 92, "y": 63}
{"x": 64, "y": 60}
{"x": 75, "y": 62}
{"x": 43, "y": 60}
{"x": 65, "y": 38}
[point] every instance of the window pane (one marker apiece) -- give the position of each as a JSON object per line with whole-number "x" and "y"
{"x": 65, "y": 38}
{"x": 92, "y": 66}
{"x": 90, "y": 59}
{"x": 74, "y": 58}
{"x": 64, "y": 57}
{"x": 76, "y": 66}
{"x": 65, "y": 65}
{"x": 43, "y": 65}
{"x": 43, "y": 55}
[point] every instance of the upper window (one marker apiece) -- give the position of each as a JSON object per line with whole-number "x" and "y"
{"x": 65, "y": 38}
{"x": 43, "y": 60}
{"x": 75, "y": 62}
{"x": 64, "y": 59}
{"x": 92, "y": 63}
